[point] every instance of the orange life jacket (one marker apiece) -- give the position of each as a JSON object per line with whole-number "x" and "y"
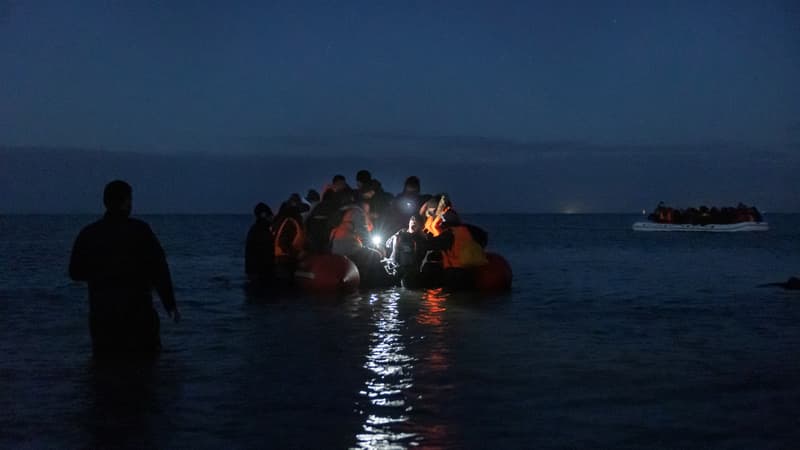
{"x": 370, "y": 226}
{"x": 297, "y": 242}
{"x": 465, "y": 252}
{"x": 346, "y": 229}
{"x": 428, "y": 222}
{"x": 433, "y": 224}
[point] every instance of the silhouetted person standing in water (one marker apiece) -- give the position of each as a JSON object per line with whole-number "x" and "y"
{"x": 122, "y": 261}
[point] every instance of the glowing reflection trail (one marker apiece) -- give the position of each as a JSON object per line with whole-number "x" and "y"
{"x": 392, "y": 376}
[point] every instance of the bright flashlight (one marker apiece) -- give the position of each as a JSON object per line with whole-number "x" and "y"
{"x": 376, "y": 240}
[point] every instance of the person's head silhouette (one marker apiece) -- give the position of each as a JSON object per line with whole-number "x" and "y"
{"x": 118, "y": 198}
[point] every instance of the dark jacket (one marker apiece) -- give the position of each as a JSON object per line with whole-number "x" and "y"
{"x": 380, "y": 211}
{"x": 405, "y": 205}
{"x": 259, "y": 254}
{"x": 122, "y": 261}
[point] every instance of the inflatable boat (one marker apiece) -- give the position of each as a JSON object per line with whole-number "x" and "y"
{"x": 711, "y": 227}
{"x": 338, "y": 275}
{"x": 495, "y": 276}
{"x": 327, "y": 274}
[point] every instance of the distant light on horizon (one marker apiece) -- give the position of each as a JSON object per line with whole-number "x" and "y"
{"x": 572, "y": 208}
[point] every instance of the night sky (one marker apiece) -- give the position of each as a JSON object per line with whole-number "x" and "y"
{"x": 508, "y": 107}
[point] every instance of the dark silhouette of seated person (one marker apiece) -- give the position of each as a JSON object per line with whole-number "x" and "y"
{"x": 380, "y": 206}
{"x": 259, "y": 255}
{"x": 122, "y": 261}
{"x": 407, "y": 202}
{"x": 363, "y": 179}
{"x": 338, "y": 185}
{"x": 318, "y": 223}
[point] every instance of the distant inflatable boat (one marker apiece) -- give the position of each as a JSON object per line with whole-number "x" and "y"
{"x": 711, "y": 227}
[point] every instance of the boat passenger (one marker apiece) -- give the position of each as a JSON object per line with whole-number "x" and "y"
{"x": 289, "y": 240}
{"x": 433, "y": 211}
{"x": 259, "y": 255}
{"x": 407, "y": 251}
{"x": 462, "y": 249}
{"x": 352, "y": 238}
{"x": 338, "y": 184}
{"x": 352, "y": 232}
{"x": 311, "y": 200}
{"x": 407, "y": 202}
{"x": 320, "y": 222}
{"x": 363, "y": 178}
{"x": 380, "y": 203}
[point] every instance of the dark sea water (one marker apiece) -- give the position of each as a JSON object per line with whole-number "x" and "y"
{"x": 609, "y": 339}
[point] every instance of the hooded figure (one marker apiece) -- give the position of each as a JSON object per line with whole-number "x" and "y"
{"x": 259, "y": 255}
{"x": 462, "y": 248}
{"x": 290, "y": 238}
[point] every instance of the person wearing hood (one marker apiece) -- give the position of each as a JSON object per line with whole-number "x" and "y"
{"x": 462, "y": 246}
{"x": 290, "y": 238}
{"x": 353, "y": 230}
{"x": 259, "y": 255}
{"x": 353, "y": 238}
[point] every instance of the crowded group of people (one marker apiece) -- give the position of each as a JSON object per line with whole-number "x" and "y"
{"x": 122, "y": 260}
{"x": 705, "y": 215}
{"x": 412, "y": 238}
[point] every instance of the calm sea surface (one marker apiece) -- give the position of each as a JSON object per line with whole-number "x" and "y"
{"x": 608, "y": 339}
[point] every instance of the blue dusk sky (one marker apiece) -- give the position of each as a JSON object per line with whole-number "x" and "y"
{"x": 562, "y": 106}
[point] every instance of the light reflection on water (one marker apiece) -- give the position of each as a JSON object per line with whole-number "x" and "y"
{"x": 407, "y": 364}
{"x": 390, "y": 378}
{"x": 430, "y": 314}
{"x": 435, "y": 393}
{"x": 432, "y": 308}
